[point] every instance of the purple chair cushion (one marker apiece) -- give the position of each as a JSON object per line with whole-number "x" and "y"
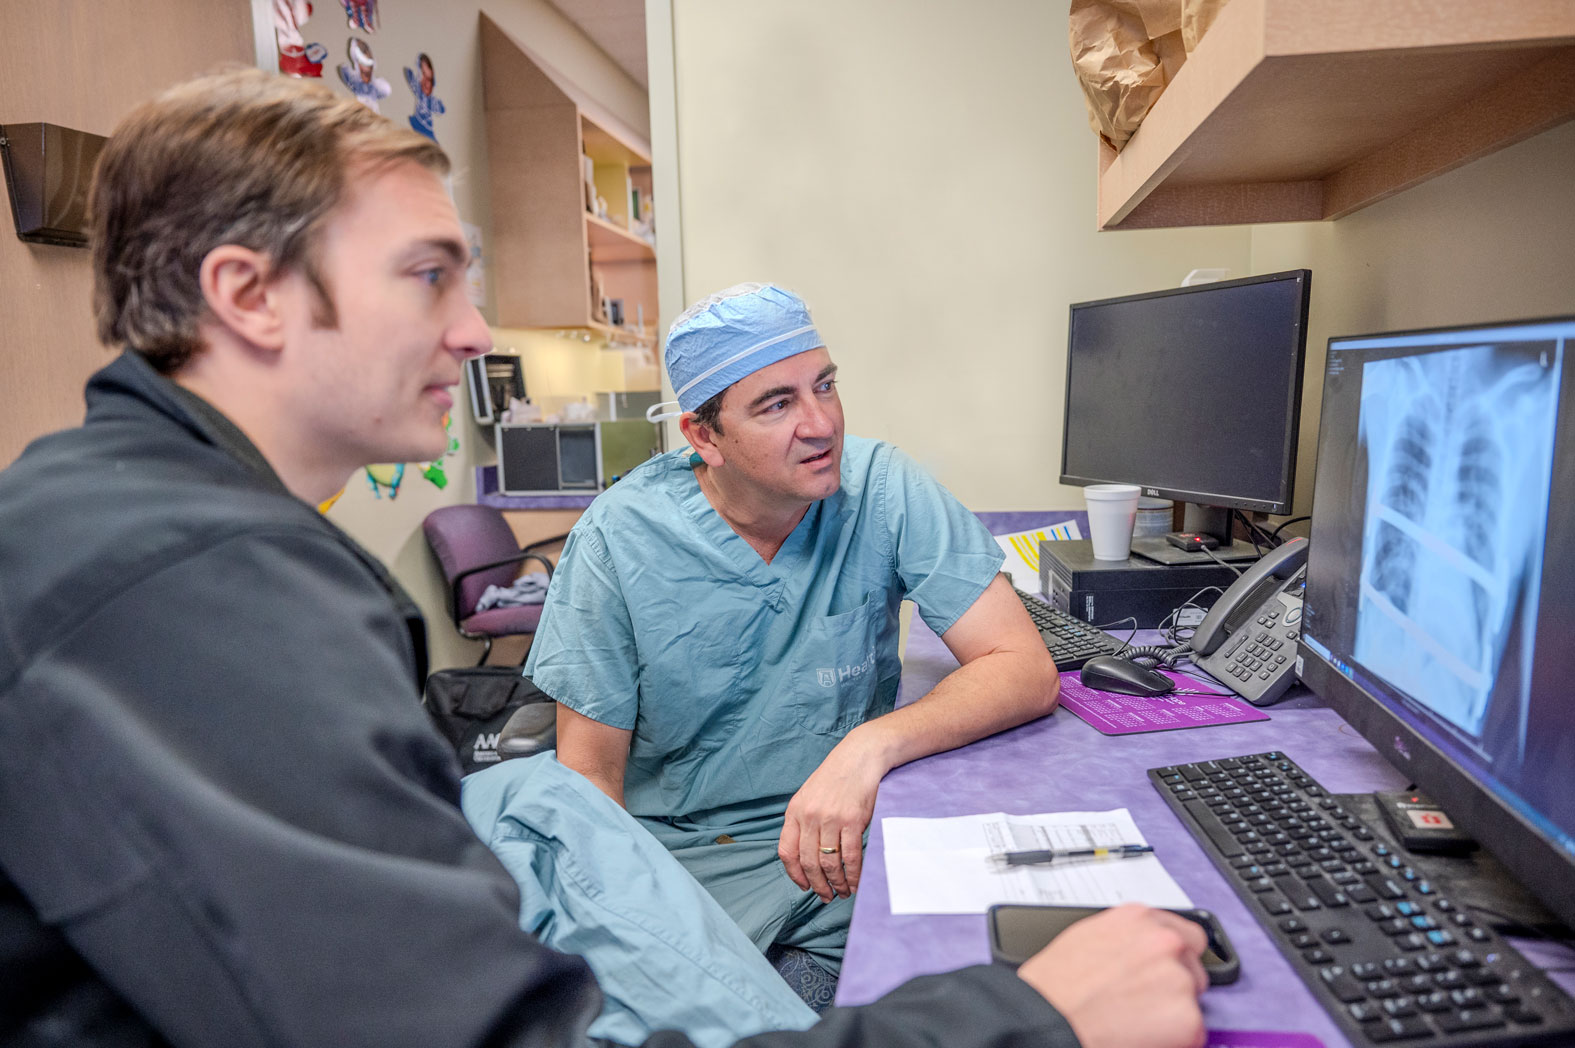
{"x": 498, "y": 622}
{"x": 465, "y": 536}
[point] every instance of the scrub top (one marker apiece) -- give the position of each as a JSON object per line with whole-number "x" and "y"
{"x": 737, "y": 677}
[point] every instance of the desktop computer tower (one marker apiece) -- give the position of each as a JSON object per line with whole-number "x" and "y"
{"x": 1102, "y": 592}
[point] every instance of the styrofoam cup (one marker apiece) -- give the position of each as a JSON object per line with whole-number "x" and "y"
{"x": 1112, "y": 510}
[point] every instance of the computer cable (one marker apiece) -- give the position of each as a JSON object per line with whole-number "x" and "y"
{"x": 1252, "y": 533}
{"x": 1119, "y": 622}
{"x": 1171, "y": 626}
{"x": 1178, "y": 647}
{"x": 1158, "y": 654}
{"x": 1507, "y": 925}
{"x": 1255, "y": 529}
{"x": 1221, "y": 563}
{"x": 1151, "y": 652}
{"x": 1287, "y": 523}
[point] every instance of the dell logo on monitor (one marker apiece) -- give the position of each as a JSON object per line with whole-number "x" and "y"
{"x": 1152, "y": 492}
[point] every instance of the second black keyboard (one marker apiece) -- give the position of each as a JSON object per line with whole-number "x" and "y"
{"x": 1071, "y": 641}
{"x": 1385, "y": 949}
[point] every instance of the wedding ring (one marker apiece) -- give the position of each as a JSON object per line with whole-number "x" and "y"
{"x": 829, "y": 851}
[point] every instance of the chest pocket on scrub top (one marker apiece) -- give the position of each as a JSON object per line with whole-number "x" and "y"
{"x": 835, "y": 670}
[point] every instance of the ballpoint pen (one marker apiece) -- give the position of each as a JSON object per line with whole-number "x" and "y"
{"x": 1049, "y": 855}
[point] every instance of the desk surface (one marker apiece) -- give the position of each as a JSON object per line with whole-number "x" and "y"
{"x": 1059, "y": 763}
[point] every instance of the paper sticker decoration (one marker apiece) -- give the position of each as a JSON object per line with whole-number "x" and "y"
{"x": 296, "y": 56}
{"x": 368, "y": 89}
{"x": 385, "y": 478}
{"x": 433, "y": 470}
{"x": 361, "y": 15}
{"x": 421, "y": 80}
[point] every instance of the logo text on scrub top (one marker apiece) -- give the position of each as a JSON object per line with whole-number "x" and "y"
{"x": 830, "y": 677}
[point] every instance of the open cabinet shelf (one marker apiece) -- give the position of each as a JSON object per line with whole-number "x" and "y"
{"x": 1296, "y": 110}
{"x": 555, "y": 262}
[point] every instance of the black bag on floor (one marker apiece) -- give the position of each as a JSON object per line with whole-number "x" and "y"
{"x": 489, "y": 713}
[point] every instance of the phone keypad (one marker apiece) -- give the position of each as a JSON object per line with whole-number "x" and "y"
{"x": 1261, "y": 653}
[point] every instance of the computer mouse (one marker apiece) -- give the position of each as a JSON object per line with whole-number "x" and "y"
{"x": 1112, "y": 673}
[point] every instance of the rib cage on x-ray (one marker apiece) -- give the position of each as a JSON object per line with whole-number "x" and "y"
{"x": 1457, "y": 457}
{"x": 1405, "y": 491}
{"x": 1443, "y": 567}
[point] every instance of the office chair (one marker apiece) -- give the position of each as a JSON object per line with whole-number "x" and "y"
{"x": 475, "y": 549}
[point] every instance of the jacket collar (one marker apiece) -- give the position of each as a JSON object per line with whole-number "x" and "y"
{"x": 130, "y": 376}
{"x": 130, "y": 386}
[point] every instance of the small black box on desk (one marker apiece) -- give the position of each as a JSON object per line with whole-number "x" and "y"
{"x": 1102, "y": 591}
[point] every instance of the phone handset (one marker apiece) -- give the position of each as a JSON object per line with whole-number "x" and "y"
{"x": 1247, "y": 593}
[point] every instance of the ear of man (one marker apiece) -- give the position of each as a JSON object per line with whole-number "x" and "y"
{"x": 702, "y": 438}
{"x": 243, "y": 296}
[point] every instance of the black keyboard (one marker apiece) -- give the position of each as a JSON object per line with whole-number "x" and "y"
{"x": 1383, "y": 948}
{"x": 1071, "y": 641}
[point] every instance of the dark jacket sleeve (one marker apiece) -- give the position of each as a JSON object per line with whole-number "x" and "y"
{"x": 219, "y": 786}
{"x": 980, "y": 1007}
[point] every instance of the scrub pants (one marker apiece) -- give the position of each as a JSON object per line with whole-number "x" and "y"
{"x": 747, "y": 879}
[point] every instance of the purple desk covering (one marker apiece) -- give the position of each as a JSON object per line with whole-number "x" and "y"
{"x": 1112, "y": 714}
{"x": 1059, "y": 763}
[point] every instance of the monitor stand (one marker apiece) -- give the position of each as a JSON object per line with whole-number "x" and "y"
{"x": 1155, "y": 548}
{"x": 1204, "y": 520}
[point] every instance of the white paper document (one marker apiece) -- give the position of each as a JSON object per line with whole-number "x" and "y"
{"x": 1022, "y": 552}
{"x": 949, "y": 865}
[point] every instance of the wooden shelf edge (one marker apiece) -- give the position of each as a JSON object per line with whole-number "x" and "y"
{"x": 1226, "y": 205}
{"x": 622, "y": 334}
{"x": 1323, "y": 27}
{"x": 1535, "y": 100}
{"x": 1233, "y": 47}
{"x": 625, "y": 246}
{"x": 637, "y": 149}
{"x": 1132, "y": 188}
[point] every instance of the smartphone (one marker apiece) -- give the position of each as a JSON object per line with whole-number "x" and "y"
{"x": 1017, "y": 932}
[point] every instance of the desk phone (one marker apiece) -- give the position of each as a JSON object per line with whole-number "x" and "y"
{"x": 1248, "y": 639}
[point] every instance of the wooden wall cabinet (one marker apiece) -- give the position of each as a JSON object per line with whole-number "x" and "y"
{"x": 550, "y": 253}
{"x": 1296, "y": 110}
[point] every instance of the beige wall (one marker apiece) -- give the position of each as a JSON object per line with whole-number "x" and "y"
{"x": 1494, "y": 240}
{"x": 448, "y": 33}
{"x": 82, "y": 64}
{"x": 925, "y": 176}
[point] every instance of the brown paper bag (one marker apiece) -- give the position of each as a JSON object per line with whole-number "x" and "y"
{"x": 1196, "y": 17}
{"x": 1125, "y": 52}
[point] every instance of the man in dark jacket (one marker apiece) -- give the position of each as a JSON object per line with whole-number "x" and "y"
{"x": 223, "y": 817}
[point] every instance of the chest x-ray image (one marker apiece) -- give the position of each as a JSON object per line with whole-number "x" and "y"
{"x": 1459, "y": 448}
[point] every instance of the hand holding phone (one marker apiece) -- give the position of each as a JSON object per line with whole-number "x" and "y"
{"x": 1127, "y": 977}
{"x": 1019, "y": 931}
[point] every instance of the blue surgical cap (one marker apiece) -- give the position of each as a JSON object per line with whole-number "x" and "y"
{"x": 733, "y": 334}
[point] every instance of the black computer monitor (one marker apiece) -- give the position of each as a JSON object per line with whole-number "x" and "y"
{"x": 1191, "y": 393}
{"x": 1440, "y": 599}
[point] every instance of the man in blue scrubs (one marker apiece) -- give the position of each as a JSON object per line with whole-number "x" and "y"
{"x": 721, "y": 632}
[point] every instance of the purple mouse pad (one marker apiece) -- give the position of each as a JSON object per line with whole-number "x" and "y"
{"x": 1114, "y": 714}
{"x": 1260, "y": 1039}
